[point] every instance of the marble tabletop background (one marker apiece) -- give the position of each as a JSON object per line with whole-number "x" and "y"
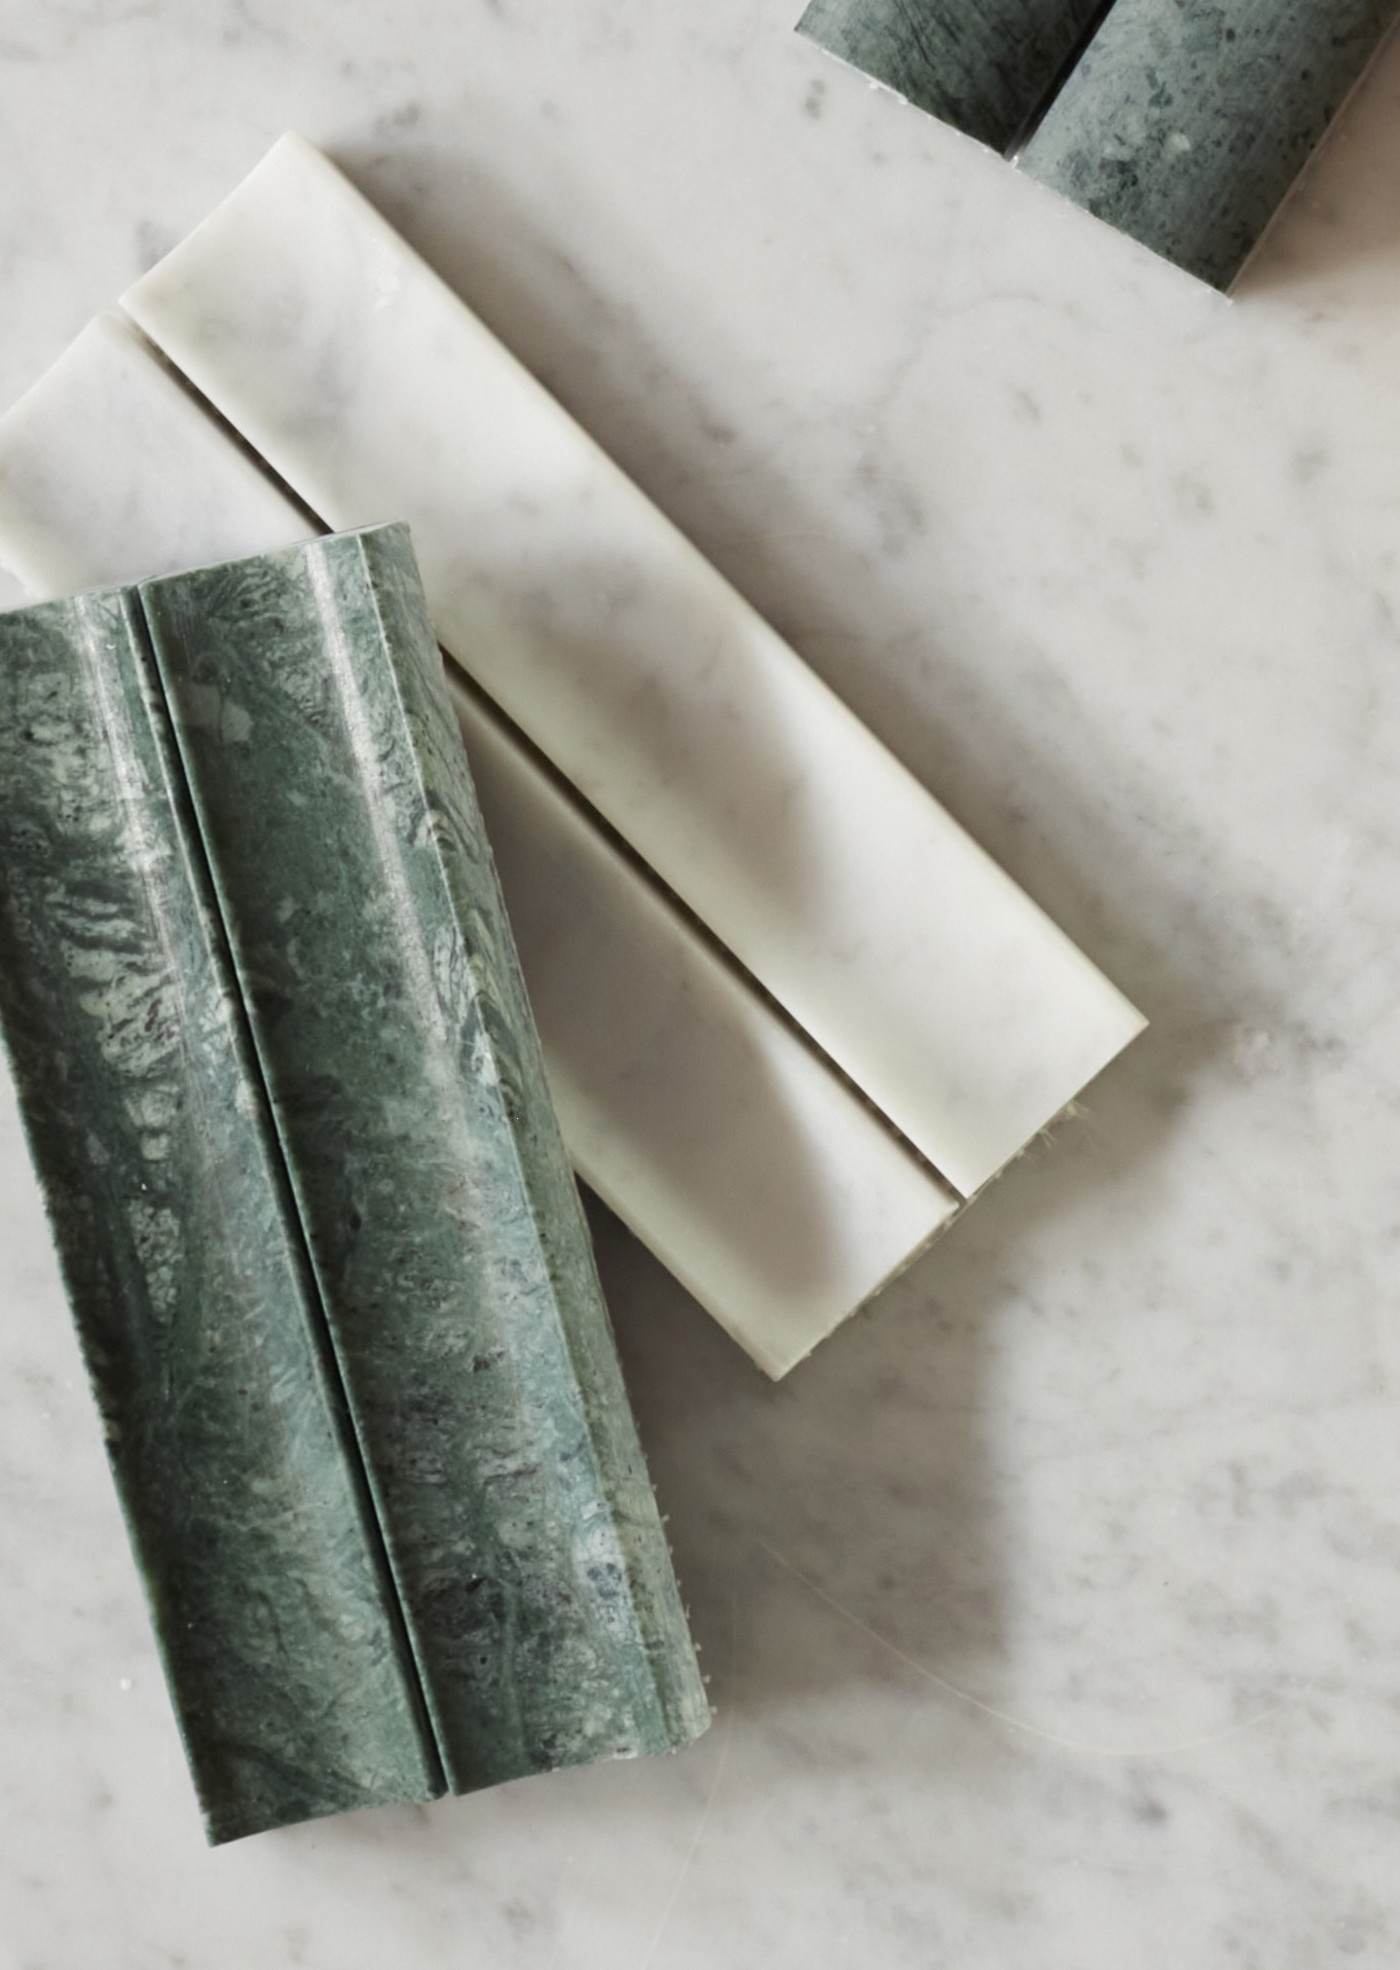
{"x": 1052, "y": 1611}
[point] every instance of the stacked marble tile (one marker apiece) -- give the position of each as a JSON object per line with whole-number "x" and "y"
{"x": 1182, "y": 122}
{"x": 323, "y": 1245}
{"x": 792, "y": 1016}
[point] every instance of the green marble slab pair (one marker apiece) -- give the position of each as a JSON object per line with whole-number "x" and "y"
{"x": 1181, "y": 122}
{"x": 427, "y": 1298}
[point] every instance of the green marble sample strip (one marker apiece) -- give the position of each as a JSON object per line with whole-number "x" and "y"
{"x": 370, "y": 938}
{"x": 1186, "y": 122}
{"x": 184, "y": 1264}
{"x": 985, "y": 66}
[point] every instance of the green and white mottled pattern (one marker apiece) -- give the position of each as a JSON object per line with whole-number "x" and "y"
{"x": 1186, "y": 121}
{"x": 388, "y": 1010}
{"x": 183, "y": 1260}
{"x": 985, "y": 66}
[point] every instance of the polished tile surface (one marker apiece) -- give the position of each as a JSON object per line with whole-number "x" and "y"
{"x": 369, "y": 936}
{"x": 1052, "y": 1612}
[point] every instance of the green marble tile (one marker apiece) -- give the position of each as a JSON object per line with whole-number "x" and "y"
{"x": 985, "y": 66}
{"x": 181, "y": 1252}
{"x": 387, "y": 1006}
{"x": 1186, "y": 121}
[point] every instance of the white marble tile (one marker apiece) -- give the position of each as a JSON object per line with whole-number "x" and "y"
{"x": 712, "y": 1130}
{"x": 915, "y": 963}
{"x": 1089, "y": 1654}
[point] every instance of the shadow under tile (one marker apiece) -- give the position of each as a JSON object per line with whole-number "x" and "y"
{"x": 731, "y": 763}
{"x": 860, "y": 1495}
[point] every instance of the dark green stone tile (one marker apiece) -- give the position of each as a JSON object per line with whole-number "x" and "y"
{"x": 985, "y": 66}
{"x": 180, "y": 1248}
{"x": 1186, "y": 121}
{"x": 372, "y": 944}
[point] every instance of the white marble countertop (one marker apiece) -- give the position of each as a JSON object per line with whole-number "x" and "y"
{"x": 1053, "y": 1611}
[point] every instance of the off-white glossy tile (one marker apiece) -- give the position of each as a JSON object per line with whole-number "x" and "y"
{"x": 914, "y": 962}
{"x": 713, "y": 1131}
{"x": 710, "y": 1127}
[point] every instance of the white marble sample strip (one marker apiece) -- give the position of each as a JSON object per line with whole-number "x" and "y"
{"x": 771, "y": 1192}
{"x": 110, "y": 471}
{"x": 717, "y": 1135}
{"x": 1186, "y": 126}
{"x": 930, "y": 979}
{"x": 985, "y": 66}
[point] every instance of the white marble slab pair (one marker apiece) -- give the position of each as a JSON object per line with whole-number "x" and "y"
{"x": 913, "y": 962}
{"x": 939, "y": 1005}
{"x": 695, "y": 1111}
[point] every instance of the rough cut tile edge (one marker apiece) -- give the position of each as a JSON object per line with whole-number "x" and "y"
{"x": 370, "y": 942}
{"x": 203, "y": 1337}
{"x": 108, "y": 467}
{"x": 369, "y": 387}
